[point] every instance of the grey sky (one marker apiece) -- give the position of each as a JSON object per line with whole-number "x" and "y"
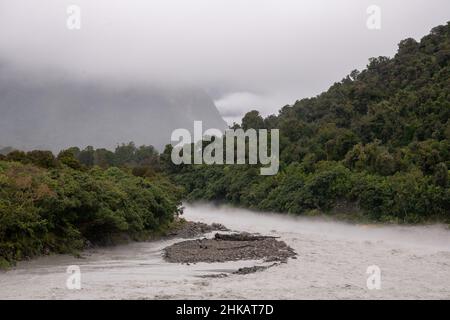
{"x": 248, "y": 54}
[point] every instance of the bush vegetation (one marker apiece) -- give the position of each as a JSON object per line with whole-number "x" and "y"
{"x": 47, "y": 206}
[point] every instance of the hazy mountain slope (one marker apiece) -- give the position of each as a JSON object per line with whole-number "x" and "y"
{"x": 53, "y": 114}
{"x": 376, "y": 143}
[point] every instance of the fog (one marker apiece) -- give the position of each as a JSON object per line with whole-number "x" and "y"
{"x": 247, "y": 54}
{"x": 431, "y": 237}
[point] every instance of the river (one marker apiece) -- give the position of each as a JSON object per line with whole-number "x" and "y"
{"x": 332, "y": 261}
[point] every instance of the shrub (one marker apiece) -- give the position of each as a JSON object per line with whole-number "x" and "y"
{"x": 57, "y": 210}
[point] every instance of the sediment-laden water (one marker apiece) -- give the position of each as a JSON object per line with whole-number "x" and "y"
{"x": 332, "y": 261}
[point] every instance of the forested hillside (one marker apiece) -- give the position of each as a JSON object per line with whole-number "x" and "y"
{"x": 376, "y": 144}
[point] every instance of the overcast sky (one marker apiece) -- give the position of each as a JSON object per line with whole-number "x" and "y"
{"x": 247, "y": 54}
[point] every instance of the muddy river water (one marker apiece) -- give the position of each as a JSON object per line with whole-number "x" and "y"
{"x": 332, "y": 262}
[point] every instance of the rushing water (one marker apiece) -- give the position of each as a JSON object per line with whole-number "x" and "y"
{"x": 332, "y": 262}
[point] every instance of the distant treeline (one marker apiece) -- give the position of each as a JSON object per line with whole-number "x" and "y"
{"x": 63, "y": 203}
{"x": 143, "y": 160}
{"x": 375, "y": 145}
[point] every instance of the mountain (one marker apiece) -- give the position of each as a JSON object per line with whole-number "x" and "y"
{"x": 377, "y": 141}
{"x": 41, "y": 112}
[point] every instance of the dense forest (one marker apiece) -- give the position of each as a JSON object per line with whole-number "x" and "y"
{"x": 375, "y": 145}
{"x": 57, "y": 204}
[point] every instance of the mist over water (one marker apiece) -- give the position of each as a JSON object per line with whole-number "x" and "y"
{"x": 431, "y": 236}
{"x": 332, "y": 261}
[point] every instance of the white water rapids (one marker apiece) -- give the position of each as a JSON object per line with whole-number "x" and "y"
{"x": 332, "y": 261}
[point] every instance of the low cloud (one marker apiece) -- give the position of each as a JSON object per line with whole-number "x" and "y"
{"x": 255, "y": 53}
{"x": 234, "y": 105}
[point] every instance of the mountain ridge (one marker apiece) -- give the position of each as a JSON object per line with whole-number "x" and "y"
{"x": 58, "y": 113}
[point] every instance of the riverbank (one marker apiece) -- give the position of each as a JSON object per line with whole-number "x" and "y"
{"x": 48, "y": 207}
